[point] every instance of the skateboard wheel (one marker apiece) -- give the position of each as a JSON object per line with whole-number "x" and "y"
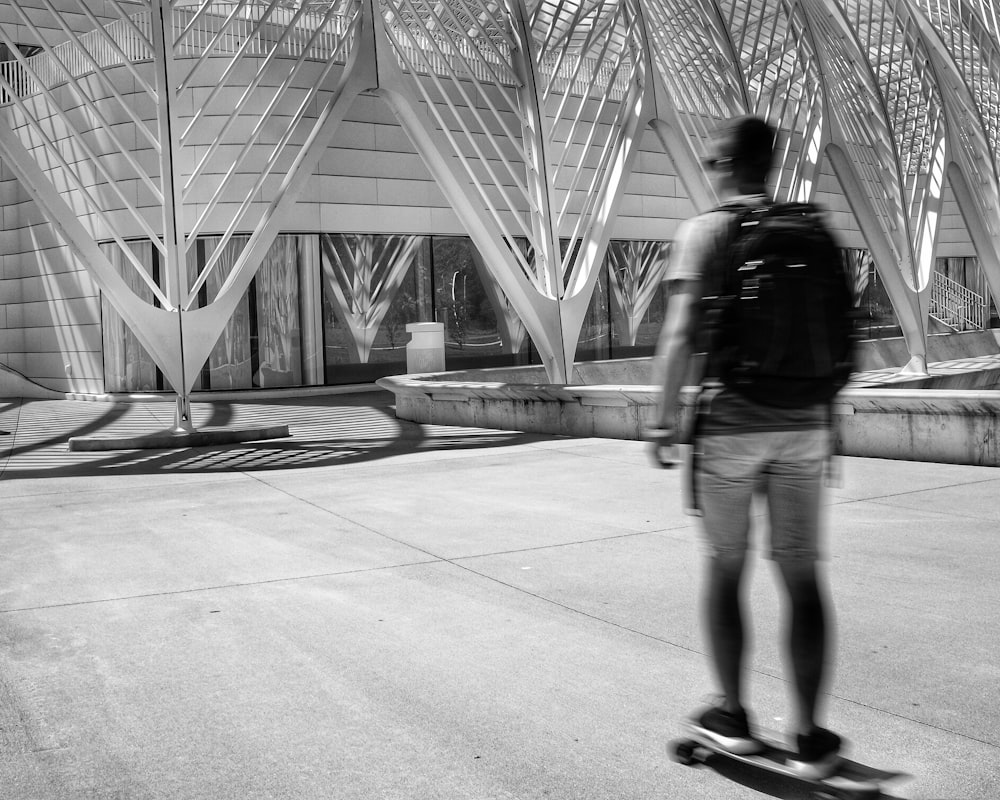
{"x": 683, "y": 752}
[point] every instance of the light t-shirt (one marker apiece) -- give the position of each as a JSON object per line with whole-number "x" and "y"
{"x": 698, "y": 249}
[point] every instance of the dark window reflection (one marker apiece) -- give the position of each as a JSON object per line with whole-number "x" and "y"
{"x": 333, "y": 308}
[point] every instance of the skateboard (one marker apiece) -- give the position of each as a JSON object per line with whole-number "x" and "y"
{"x": 851, "y": 781}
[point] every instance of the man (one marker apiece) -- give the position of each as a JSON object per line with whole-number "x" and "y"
{"x": 747, "y": 447}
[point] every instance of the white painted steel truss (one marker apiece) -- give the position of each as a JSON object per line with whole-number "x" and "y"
{"x": 529, "y": 115}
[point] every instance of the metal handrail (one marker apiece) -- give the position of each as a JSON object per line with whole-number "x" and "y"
{"x": 956, "y": 305}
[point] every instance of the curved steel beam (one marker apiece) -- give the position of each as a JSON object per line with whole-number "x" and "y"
{"x": 971, "y": 167}
{"x": 887, "y": 238}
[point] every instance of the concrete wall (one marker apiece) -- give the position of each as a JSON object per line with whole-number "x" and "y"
{"x": 937, "y": 424}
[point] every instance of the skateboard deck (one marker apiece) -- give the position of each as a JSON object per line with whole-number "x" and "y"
{"x": 851, "y": 781}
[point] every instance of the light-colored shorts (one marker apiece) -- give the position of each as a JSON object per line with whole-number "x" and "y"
{"x": 786, "y": 467}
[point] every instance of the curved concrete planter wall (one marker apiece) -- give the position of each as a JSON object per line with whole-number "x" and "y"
{"x": 937, "y": 424}
{"x": 942, "y": 425}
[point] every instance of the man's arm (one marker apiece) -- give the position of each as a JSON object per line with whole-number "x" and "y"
{"x": 670, "y": 368}
{"x": 691, "y": 253}
{"x": 673, "y": 355}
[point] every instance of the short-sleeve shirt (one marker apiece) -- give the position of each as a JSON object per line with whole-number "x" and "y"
{"x": 698, "y": 249}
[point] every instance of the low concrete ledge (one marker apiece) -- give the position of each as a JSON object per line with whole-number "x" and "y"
{"x": 940, "y": 425}
{"x": 606, "y": 411}
{"x": 167, "y": 440}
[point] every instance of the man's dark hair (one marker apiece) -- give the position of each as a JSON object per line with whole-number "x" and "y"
{"x": 747, "y": 142}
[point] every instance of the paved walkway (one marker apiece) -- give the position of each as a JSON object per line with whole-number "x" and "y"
{"x": 953, "y": 368}
{"x": 373, "y": 609}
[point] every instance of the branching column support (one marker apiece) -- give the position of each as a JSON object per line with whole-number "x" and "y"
{"x": 677, "y": 145}
{"x": 538, "y": 311}
{"x": 638, "y": 114}
{"x": 547, "y": 251}
{"x": 887, "y": 234}
{"x": 615, "y": 161}
{"x": 666, "y": 121}
{"x": 984, "y": 234}
{"x": 170, "y": 179}
{"x": 203, "y": 326}
{"x": 886, "y": 252}
{"x": 971, "y": 168}
{"x": 156, "y": 329}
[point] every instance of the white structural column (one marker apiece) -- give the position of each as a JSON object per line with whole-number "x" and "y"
{"x": 697, "y": 82}
{"x": 597, "y": 96}
{"x": 475, "y": 154}
{"x": 849, "y": 87}
{"x": 172, "y": 220}
{"x": 973, "y": 163}
{"x": 519, "y": 122}
{"x": 544, "y": 238}
{"x": 204, "y": 325}
{"x": 159, "y": 49}
{"x": 36, "y": 130}
{"x": 896, "y": 207}
{"x": 156, "y": 329}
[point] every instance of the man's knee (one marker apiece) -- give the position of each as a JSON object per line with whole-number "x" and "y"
{"x": 801, "y": 579}
{"x": 727, "y": 563}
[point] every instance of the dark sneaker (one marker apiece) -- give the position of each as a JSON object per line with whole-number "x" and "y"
{"x": 731, "y": 732}
{"x": 817, "y": 755}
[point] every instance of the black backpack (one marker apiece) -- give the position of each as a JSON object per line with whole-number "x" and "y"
{"x": 779, "y": 314}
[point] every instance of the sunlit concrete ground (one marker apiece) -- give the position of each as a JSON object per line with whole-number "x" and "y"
{"x": 375, "y": 609}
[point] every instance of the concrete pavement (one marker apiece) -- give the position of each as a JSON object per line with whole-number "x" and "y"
{"x": 377, "y": 609}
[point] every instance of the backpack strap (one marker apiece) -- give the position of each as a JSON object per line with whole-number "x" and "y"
{"x": 723, "y": 275}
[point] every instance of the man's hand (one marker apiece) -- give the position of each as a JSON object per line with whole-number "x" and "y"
{"x": 662, "y": 446}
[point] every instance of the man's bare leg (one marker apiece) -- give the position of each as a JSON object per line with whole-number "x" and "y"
{"x": 807, "y": 638}
{"x": 726, "y": 628}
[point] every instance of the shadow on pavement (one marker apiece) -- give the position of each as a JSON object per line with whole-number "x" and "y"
{"x": 325, "y": 431}
{"x": 777, "y": 785}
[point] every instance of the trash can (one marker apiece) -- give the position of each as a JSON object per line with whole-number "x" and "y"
{"x": 425, "y": 350}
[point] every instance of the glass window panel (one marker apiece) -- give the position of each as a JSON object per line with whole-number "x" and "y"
{"x": 373, "y": 286}
{"x": 473, "y": 314}
{"x": 277, "y": 358}
{"x": 391, "y": 337}
{"x": 647, "y": 330}
{"x": 339, "y": 343}
{"x": 594, "y": 343}
{"x": 229, "y": 364}
{"x": 876, "y": 317}
{"x": 635, "y": 271}
{"x": 127, "y": 365}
